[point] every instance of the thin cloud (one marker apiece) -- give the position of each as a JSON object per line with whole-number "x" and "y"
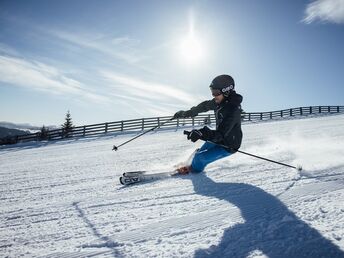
{"x": 125, "y": 40}
{"x": 147, "y": 90}
{"x": 147, "y": 107}
{"x": 7, "y": 50}
{"x": 37, "y": 76}
{"x": 144, "y": 107}
{"x": 121, "y": 48}
{"x": 325, "y": 10}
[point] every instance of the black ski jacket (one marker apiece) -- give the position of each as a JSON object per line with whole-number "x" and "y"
{"x": 228, "y": 121}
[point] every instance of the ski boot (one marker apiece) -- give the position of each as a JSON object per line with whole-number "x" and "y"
{"x": 184, "y": 170}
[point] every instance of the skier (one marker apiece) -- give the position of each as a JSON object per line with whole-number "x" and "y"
{"x": 226, "y": 139}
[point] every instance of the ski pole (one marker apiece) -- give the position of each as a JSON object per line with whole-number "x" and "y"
{"x": 299, "y": 168}
{"x": 137, "y": 136}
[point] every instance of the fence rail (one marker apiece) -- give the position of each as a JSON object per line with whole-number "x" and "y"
{"x": 138, "y": 125}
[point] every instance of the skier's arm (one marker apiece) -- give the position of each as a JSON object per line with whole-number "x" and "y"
{"x": 218, "y": 136}
{"x": 194, "y": 111}
{"x": 202, "y": 107}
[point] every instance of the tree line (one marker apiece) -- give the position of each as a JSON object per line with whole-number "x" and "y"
{"x": 67, "y": 128}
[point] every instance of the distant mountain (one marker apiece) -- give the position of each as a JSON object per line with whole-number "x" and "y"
{"x": 22, "y": 126}
{"x": 28, "y": 128}
{"x": 12, "y": 129}
{"x": 4, "y": 132}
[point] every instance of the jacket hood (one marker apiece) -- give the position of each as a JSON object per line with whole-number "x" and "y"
{"x": 234, "y": 99}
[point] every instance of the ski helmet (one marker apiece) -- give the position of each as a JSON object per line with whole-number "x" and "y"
{"x": 222, "y": 84}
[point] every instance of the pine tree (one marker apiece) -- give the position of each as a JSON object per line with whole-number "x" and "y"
{"x": 67, "y": 127}
{"x": 44, "y": 133}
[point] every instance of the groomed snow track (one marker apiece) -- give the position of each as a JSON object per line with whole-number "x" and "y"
{"x": 63, "y": 199}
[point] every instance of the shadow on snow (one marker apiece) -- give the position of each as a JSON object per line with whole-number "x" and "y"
{"x": 105, "y": 242}
{"x": 269, "y": 225}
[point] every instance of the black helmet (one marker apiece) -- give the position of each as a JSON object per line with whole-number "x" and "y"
{"x": 222, "y": 84}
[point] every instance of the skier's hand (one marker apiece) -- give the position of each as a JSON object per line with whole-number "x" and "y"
{"x": 206, "y": 133}
{"x": 195, "y": 135}
{"x": 182, "y": 114}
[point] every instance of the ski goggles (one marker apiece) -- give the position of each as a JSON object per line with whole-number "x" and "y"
{"x": 216, "y": 92}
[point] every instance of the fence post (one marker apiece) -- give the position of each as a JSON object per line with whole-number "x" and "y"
{"x": 301, "y": 111}
{"x": 249, "y": 116}
{"x": 143, "y": 124}
{"x": 261, "y": 116}
{"x": 319, "y": 109}
{"x": 106, "y": 127}
{"x": 177, "y": 122}
{"x": 158, "y": 122}
{"x": 122, "y": 125}
{"x": 337, "y": 109}
{"x": 310, "y": 110}
{"x": 270, "y": 115}
{"x": 281, "y": 113}
{"x": 84, "y": 131}
{"x": 193, "y": 122}
{"x": 329, "y": 109}
{"x": 291, "y": 112}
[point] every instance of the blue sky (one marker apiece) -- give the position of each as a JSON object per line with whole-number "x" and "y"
{"x": 114, "y": 60}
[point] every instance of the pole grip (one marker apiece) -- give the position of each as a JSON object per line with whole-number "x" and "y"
{"x": 186, "y": 132}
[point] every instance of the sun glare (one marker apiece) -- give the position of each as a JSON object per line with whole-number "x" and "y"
{"x": 191, "y": 47}
{"x": 191, "y": 50}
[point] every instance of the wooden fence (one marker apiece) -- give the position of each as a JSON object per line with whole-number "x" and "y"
{"x": 138, "y": 125}
{"x": 292, "y": 112}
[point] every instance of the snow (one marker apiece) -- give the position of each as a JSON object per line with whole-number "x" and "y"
{"x": 63, "y": 199}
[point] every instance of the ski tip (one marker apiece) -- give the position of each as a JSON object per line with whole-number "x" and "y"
{"x": 121, "y": 180}
{"x": 124, "y": 180}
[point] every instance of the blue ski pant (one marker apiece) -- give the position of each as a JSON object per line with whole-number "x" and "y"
{"x": 208, "y": 153}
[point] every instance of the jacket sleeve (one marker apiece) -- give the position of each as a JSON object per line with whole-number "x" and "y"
{"x": 202, "y": 107}
{"x": 230, "y": 120}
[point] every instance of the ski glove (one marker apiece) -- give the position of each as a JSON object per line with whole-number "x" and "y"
{"x": 195, "y": 135}
{"x": 182, "y": 114}
{"x": 207, "y": 134}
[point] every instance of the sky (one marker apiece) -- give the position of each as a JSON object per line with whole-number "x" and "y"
{"x": 116, "y": 60}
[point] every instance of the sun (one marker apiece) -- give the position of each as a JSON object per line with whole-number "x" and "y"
{"x": 191, "y": 49}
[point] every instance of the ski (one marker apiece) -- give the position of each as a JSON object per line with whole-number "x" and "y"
{"x": 125, "y": 180}
{"x": 134, "y": 177}
{"x": 134, "y": 173}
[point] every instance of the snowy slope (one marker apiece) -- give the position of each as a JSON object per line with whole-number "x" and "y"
{"x": 63, "y": 199}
